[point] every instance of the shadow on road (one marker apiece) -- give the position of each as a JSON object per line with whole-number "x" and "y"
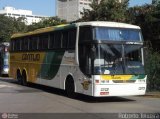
{"x": 80, "y": 97}
{"x": 102, "y": 99}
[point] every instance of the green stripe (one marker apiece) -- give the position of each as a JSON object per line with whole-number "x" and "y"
{"x": 51, "y": 65}
{"x": 135, "y": 77}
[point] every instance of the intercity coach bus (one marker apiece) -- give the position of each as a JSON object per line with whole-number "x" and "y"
{"x": 97, "y": 58}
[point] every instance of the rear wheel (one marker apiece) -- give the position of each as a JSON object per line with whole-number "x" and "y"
{"x": 19, "y": 78}
{"x": 70, "y": 88}
{"x": 24, "y": 78}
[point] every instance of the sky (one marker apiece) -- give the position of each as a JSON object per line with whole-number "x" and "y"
{"x": 47, "y": 7}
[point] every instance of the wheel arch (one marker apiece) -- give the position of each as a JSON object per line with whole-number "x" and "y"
{"x": 18, "y": 72}
{"x": 70, "y": 77}
{"x": 24, "y": 72}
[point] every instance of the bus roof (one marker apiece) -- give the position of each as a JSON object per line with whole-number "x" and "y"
{"x": 63, "y": 26}
{"x": 108, "y": 24}
{"x": 42, "y": 30}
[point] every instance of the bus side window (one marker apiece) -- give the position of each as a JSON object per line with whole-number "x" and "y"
{"x": 64, "y": 39}
{"x": 33, "y": 43}
{"x": 51, "y": 41}
{"x": 57, "y": 43}
{"x": 43, "y": 41}
{"x": 24, "y": 44}
{"x": 17, "y": 45}
{"x": 40, "y": 43}
{"x": 72, "y": 39}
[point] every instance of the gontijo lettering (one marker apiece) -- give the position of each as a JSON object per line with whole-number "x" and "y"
{"x": 31, "y": 57}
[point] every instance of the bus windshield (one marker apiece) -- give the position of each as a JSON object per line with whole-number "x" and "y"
{"x": 6, "y": 57}
{"x": 117, "y": 34}
{"x": 119, "y": 52}
{"x": 118, "y": 59}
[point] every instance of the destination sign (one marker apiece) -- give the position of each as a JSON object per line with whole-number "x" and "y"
{"x": 134, "y": 43}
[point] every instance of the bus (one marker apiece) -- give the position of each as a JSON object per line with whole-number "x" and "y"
{"x": 4, "y": 58}
{"x": 95, "y": 58}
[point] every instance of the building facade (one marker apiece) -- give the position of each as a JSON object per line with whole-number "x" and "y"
{"x": 70, "y": 10}
{"x": 16, "y": 13}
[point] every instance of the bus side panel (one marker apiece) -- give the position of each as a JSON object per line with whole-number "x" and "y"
{"x": 68, "y": 67}
{"x": 28, "y": 62}
{"x": 15, "y": 60}
{"x": 49, "y": 73}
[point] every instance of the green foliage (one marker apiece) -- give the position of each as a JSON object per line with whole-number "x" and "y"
{"x": 155, "y": 2}
{"x": 142, "y": 16}
{"x": 152, "y": 67}
{"x": 148, "y": 18}
{"x": 5, "y": 28}
{"x": 19, "y": 25}
{"x": 8, "y": 26}
{"x": 52, "y": 21}
{"x": 106, "y": 10}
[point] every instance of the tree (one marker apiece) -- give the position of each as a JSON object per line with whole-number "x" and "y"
{"x": 155, "y": 2}
{"x": 5, "y": 29}
{"x": 148, "y": 18}
{"x": 142, "y": 16}
{"x": 52, "y": 21}
{"x": 106, "y": 10}
{"x": 19, "y": 25}
{"x": 152, "y": 68}
{"x": 9, "y": 26}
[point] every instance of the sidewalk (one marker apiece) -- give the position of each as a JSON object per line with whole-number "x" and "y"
{"x": 152, "y": 94}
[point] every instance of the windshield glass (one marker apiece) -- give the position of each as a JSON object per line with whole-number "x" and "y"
{"x": 118, "y": 59}
{"x": 6, "y": 58}
{"x": 117, "y": 34}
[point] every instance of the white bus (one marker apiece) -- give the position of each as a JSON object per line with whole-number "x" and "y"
{"x": 97, "y": 58}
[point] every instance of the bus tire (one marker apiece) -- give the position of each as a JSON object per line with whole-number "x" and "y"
{"x": 19, "y": 77}
{"x": 24, "y": 78}
{"x": 70, "y": 88}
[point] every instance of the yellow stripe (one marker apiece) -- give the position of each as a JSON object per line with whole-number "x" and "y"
{"x": 38, "y": 31}
{"x": 116, "y": 77}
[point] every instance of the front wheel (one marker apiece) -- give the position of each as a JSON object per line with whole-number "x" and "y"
{"x": 24, "y": 79}
{"x": 70, "y": 88}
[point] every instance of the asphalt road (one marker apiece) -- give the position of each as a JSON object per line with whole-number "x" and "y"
{"x": 40, "y": 101}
